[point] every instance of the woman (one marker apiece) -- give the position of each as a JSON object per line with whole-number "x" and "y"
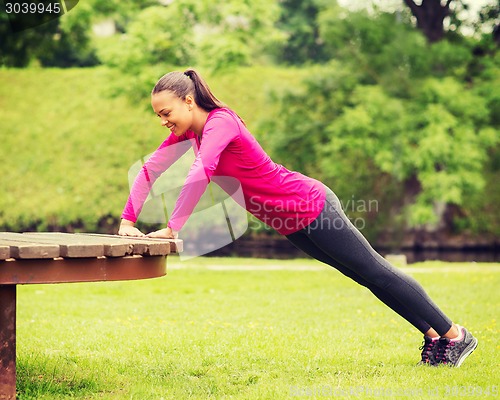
{"x": 304, "y": 210}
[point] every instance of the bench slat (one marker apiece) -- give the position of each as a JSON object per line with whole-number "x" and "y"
{"x": 25, "y": 248}
{"x": 79, "y": 245}
{"x": 135, "y": 249}
{"x": 70, "y": 248}
{"x": 141, "y": 246}
{"x": 4, "y": 252}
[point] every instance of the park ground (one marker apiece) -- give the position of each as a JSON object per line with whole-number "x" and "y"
{"x": 249, "y": 329}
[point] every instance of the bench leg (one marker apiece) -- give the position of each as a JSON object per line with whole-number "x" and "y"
{"x": 8, "y": 342}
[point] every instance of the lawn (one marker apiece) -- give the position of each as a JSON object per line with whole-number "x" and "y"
{"x": 216, "y": 328}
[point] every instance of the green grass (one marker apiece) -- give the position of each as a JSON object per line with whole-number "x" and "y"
{"x": 267, "y": 333}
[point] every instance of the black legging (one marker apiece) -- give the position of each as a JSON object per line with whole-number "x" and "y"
{"x": 334, "y": 240}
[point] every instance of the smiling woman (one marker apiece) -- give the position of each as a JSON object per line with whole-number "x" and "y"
{"x": 175, "y": 114}
{"x": 187, "y": 88}
{"x": 307, "y": 212}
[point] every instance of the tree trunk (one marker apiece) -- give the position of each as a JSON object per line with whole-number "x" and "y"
{"x": 430, "y": 16}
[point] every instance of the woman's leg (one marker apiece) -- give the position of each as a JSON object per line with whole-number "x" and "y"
{"x": 304, "y": 243}
{"x": 334, "y": 234}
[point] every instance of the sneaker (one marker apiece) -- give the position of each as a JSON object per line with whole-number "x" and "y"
{"x": 454, "y": 352}
{"x": 429, "y": 349}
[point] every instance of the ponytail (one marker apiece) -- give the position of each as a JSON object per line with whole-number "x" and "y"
{"x": 202, "y": 93}
{"x": 189, "y": 82}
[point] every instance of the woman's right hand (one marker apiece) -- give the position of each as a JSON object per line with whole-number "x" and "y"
{"x": 127, "y": 228}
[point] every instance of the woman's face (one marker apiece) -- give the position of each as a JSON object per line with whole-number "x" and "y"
{"x": 174, "y": 112}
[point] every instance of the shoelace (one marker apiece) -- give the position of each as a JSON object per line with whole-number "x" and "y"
{"x": 442, "y": 352}
{"x": 426, "y": 350}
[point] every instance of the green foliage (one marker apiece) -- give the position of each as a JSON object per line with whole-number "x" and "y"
{"x": 222, "y": 52}
{"x": 237, "y": 33}
{"x": 299, "y": 22}
{"x": 156, "y": 35}
{"x": 221, "y": 35}
{"x": 17, "y": 49}
{"x": 211, "y": 35}
{"x": 62, "y": 42}
{"x": 360, "y": 130}
{"x": 71, "y": 45}
{"x": 385, "y": 115}
{"x": 120, "y": 11}
{"x": 451, "y": 145}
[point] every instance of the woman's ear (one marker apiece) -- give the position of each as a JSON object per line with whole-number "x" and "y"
{"x": 190, "y": 101}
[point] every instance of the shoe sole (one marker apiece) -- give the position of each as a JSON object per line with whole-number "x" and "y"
{"x": 472, "y": 346}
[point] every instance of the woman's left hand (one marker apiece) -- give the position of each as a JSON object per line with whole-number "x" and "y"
{"x": 166, "y": 233}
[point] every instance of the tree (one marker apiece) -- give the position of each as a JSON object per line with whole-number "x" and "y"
{"x": 429, "y": 150}
{"x": 299, "y": 22}
{"x": 393, "y": 117}
{"x": 151, "y": 38}
{"x": 70, "y": 45}
{"x": 17, "y": 49}
{"x": 488, "y": 18}
{"x": 235, "y": 33}
{"x": 208, "y": 34}
{"x": 430, "y": 16}
{"x": 61, "y": 42}
{"x": 384, "y": 49}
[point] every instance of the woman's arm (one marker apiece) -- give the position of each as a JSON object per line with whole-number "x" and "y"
{"x": 220, "y": 130}
{"x": 166, "y": 154}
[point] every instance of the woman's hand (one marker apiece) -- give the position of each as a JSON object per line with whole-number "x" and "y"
{"x": 166, "y": 233}
{"x": 127, "y": 228}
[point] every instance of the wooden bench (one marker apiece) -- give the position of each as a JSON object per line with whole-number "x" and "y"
{"x": 31, "y": 258}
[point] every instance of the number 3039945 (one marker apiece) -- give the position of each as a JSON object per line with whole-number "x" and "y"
{"x": 33, "y": 8}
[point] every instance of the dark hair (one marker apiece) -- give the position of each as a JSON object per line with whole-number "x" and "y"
{"x": 188, "y": 82}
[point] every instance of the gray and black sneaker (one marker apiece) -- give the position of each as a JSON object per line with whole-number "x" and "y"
{"x": 429, "y": 350}
{"x": 454, "y": 352}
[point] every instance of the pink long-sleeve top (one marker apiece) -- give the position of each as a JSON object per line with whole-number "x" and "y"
{"x": 285, "y": 200}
